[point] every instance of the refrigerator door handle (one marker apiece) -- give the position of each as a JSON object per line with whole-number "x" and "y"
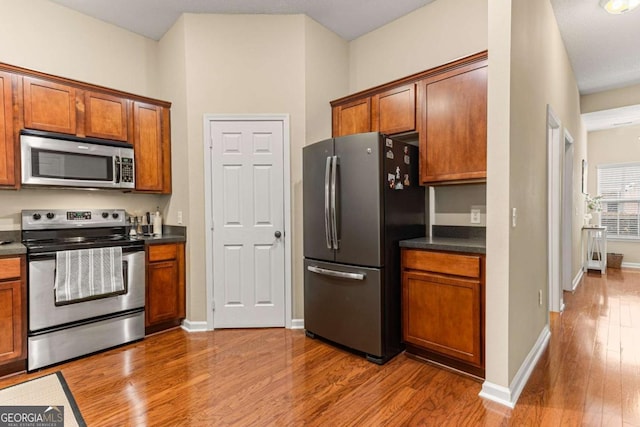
{"x": 327, "y": 222}
{"x": 334, "y": 220}
{"x": 333, "y": 273}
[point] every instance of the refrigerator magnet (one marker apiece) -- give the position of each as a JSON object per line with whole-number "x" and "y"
{"x": 389, "y": 154}
{"x": 406, "y": 181}
{"x": 389, "y": 143}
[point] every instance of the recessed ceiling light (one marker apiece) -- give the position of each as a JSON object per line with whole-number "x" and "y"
{"x": 616, "y": 7}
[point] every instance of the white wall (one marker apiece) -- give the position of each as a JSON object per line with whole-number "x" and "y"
{"x": 529, "y": 69}
{"x": 244, "y": 64}
{"x": 46, "y": 37}
{"x": 433, "y": 35}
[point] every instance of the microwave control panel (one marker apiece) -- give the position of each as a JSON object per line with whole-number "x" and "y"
{"x": 126, "y": 169}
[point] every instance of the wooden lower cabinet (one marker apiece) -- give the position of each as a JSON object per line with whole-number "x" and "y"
{"x": 443, "y": 308}
{"x": 13, "y": 314}
{"x": 165, "y": 291}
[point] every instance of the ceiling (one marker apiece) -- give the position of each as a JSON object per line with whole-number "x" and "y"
{"x": 604, "y": 49}
{"x": 152, "y": 18}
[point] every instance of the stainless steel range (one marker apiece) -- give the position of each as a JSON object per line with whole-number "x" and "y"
{"x": 86, "y": 283}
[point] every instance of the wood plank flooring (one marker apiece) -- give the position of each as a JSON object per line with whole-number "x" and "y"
{"x": 589, "y": 375}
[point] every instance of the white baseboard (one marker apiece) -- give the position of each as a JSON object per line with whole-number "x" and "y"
{"x": 577, "y": 279}
{"x": 630, "y": 265}
{"x": 193, "y": 326}
{"x": 297, "y": 323}
{"x": 509, "y": 396}
{"x": 196, "y": 326}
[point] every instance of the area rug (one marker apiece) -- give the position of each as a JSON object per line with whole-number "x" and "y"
{"x": 44, "y": 401}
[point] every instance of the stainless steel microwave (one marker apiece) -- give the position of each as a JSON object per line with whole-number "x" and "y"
{"x": 53, "y": 159}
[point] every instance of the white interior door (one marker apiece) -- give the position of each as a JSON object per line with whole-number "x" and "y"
{"x": 248, "y": 223}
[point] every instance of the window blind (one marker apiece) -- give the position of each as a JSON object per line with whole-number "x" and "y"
{"x": 619, "y": 186}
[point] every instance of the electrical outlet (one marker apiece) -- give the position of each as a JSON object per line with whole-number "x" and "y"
{"x": 514, "y": 217}
{"x": 475, "y": 216}
{"x": 540, "y": 297}
{"x": 179, "y": 217}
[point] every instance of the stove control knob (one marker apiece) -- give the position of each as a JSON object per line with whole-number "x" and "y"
{"x": 50, "y": 215}
{"x": 115, "y": 215}
{"x": 105, "y": 215}
{"x": 36, "y": 216}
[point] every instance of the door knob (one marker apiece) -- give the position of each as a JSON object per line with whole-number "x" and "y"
{"x": 277, "y": 234}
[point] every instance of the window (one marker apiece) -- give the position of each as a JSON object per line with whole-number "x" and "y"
{"x": 619, "y": 186}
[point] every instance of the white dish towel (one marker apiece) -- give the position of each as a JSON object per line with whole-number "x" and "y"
{"x": 88, "y": 273}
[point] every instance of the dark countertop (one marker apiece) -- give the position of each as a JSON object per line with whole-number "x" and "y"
{"x": 170, "y": 234}
{"x": 13, "y": 248}
{"x": 476, "y": 245}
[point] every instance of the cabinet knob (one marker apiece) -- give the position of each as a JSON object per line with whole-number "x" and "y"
{"x": 277, "y": 234}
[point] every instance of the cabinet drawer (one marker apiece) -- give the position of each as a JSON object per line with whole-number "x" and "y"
{"x": 444, "y": 263}
{"x": 162, "y": 252}
{"x": 9, "y": 268}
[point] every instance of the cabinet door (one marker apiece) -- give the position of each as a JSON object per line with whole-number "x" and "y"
{"x": 453, "y": 141}
{"x": 147, "y": 145}
{"x": 394, "y": 111}
{"x": 49, "y": 106}
{"x": 354, "y": 117}
{"x": 443, "y": 314}
{"x": 105, "y": 116}
{"x": 7, "y": 142}
{"x": 12, "y": 309}
{"x": 162, "y": 283}
{"x": 165, "y": 284}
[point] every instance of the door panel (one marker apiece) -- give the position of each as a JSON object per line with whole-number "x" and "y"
{"x": 345, "y": 311}
{"x": 248, "y": 209}
{"x": 359, "y": 200}
{"x": 314, "y": 165}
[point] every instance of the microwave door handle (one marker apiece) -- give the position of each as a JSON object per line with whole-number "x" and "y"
{"x": 117, "y": 165}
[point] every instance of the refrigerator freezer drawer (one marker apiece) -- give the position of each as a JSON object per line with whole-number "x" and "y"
{"x": 344, "y": 304}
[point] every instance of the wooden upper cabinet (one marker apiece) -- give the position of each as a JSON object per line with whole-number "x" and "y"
{"x": 453, "y": 138}
{"x": 152, "y": 148}
{"x": 49, "y": 106}
{"x": 7, "y": 141}
{"x": 394, "y": 111}
{"x": 105, "y": 116}
{"x": 353, "y": 117}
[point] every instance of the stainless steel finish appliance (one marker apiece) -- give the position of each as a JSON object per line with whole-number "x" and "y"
{"x": 361, "y": 196}
{"x": 58, "y": 332}
{"x": 52, "y": 159}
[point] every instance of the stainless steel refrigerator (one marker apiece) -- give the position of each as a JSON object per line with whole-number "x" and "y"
{"x": 360, "y": 196}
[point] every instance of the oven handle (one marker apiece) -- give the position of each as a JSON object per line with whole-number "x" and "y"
{"x": 52, "y": 254}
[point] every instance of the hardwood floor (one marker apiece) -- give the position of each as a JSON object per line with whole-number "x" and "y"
{"x": 589, "y": 375}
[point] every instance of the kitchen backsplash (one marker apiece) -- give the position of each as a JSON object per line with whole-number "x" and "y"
{"x": 13, "y": 202}
{"x": 453, "y": 205}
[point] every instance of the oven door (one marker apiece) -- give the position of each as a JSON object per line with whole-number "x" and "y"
{"x": 43, "y": 312}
